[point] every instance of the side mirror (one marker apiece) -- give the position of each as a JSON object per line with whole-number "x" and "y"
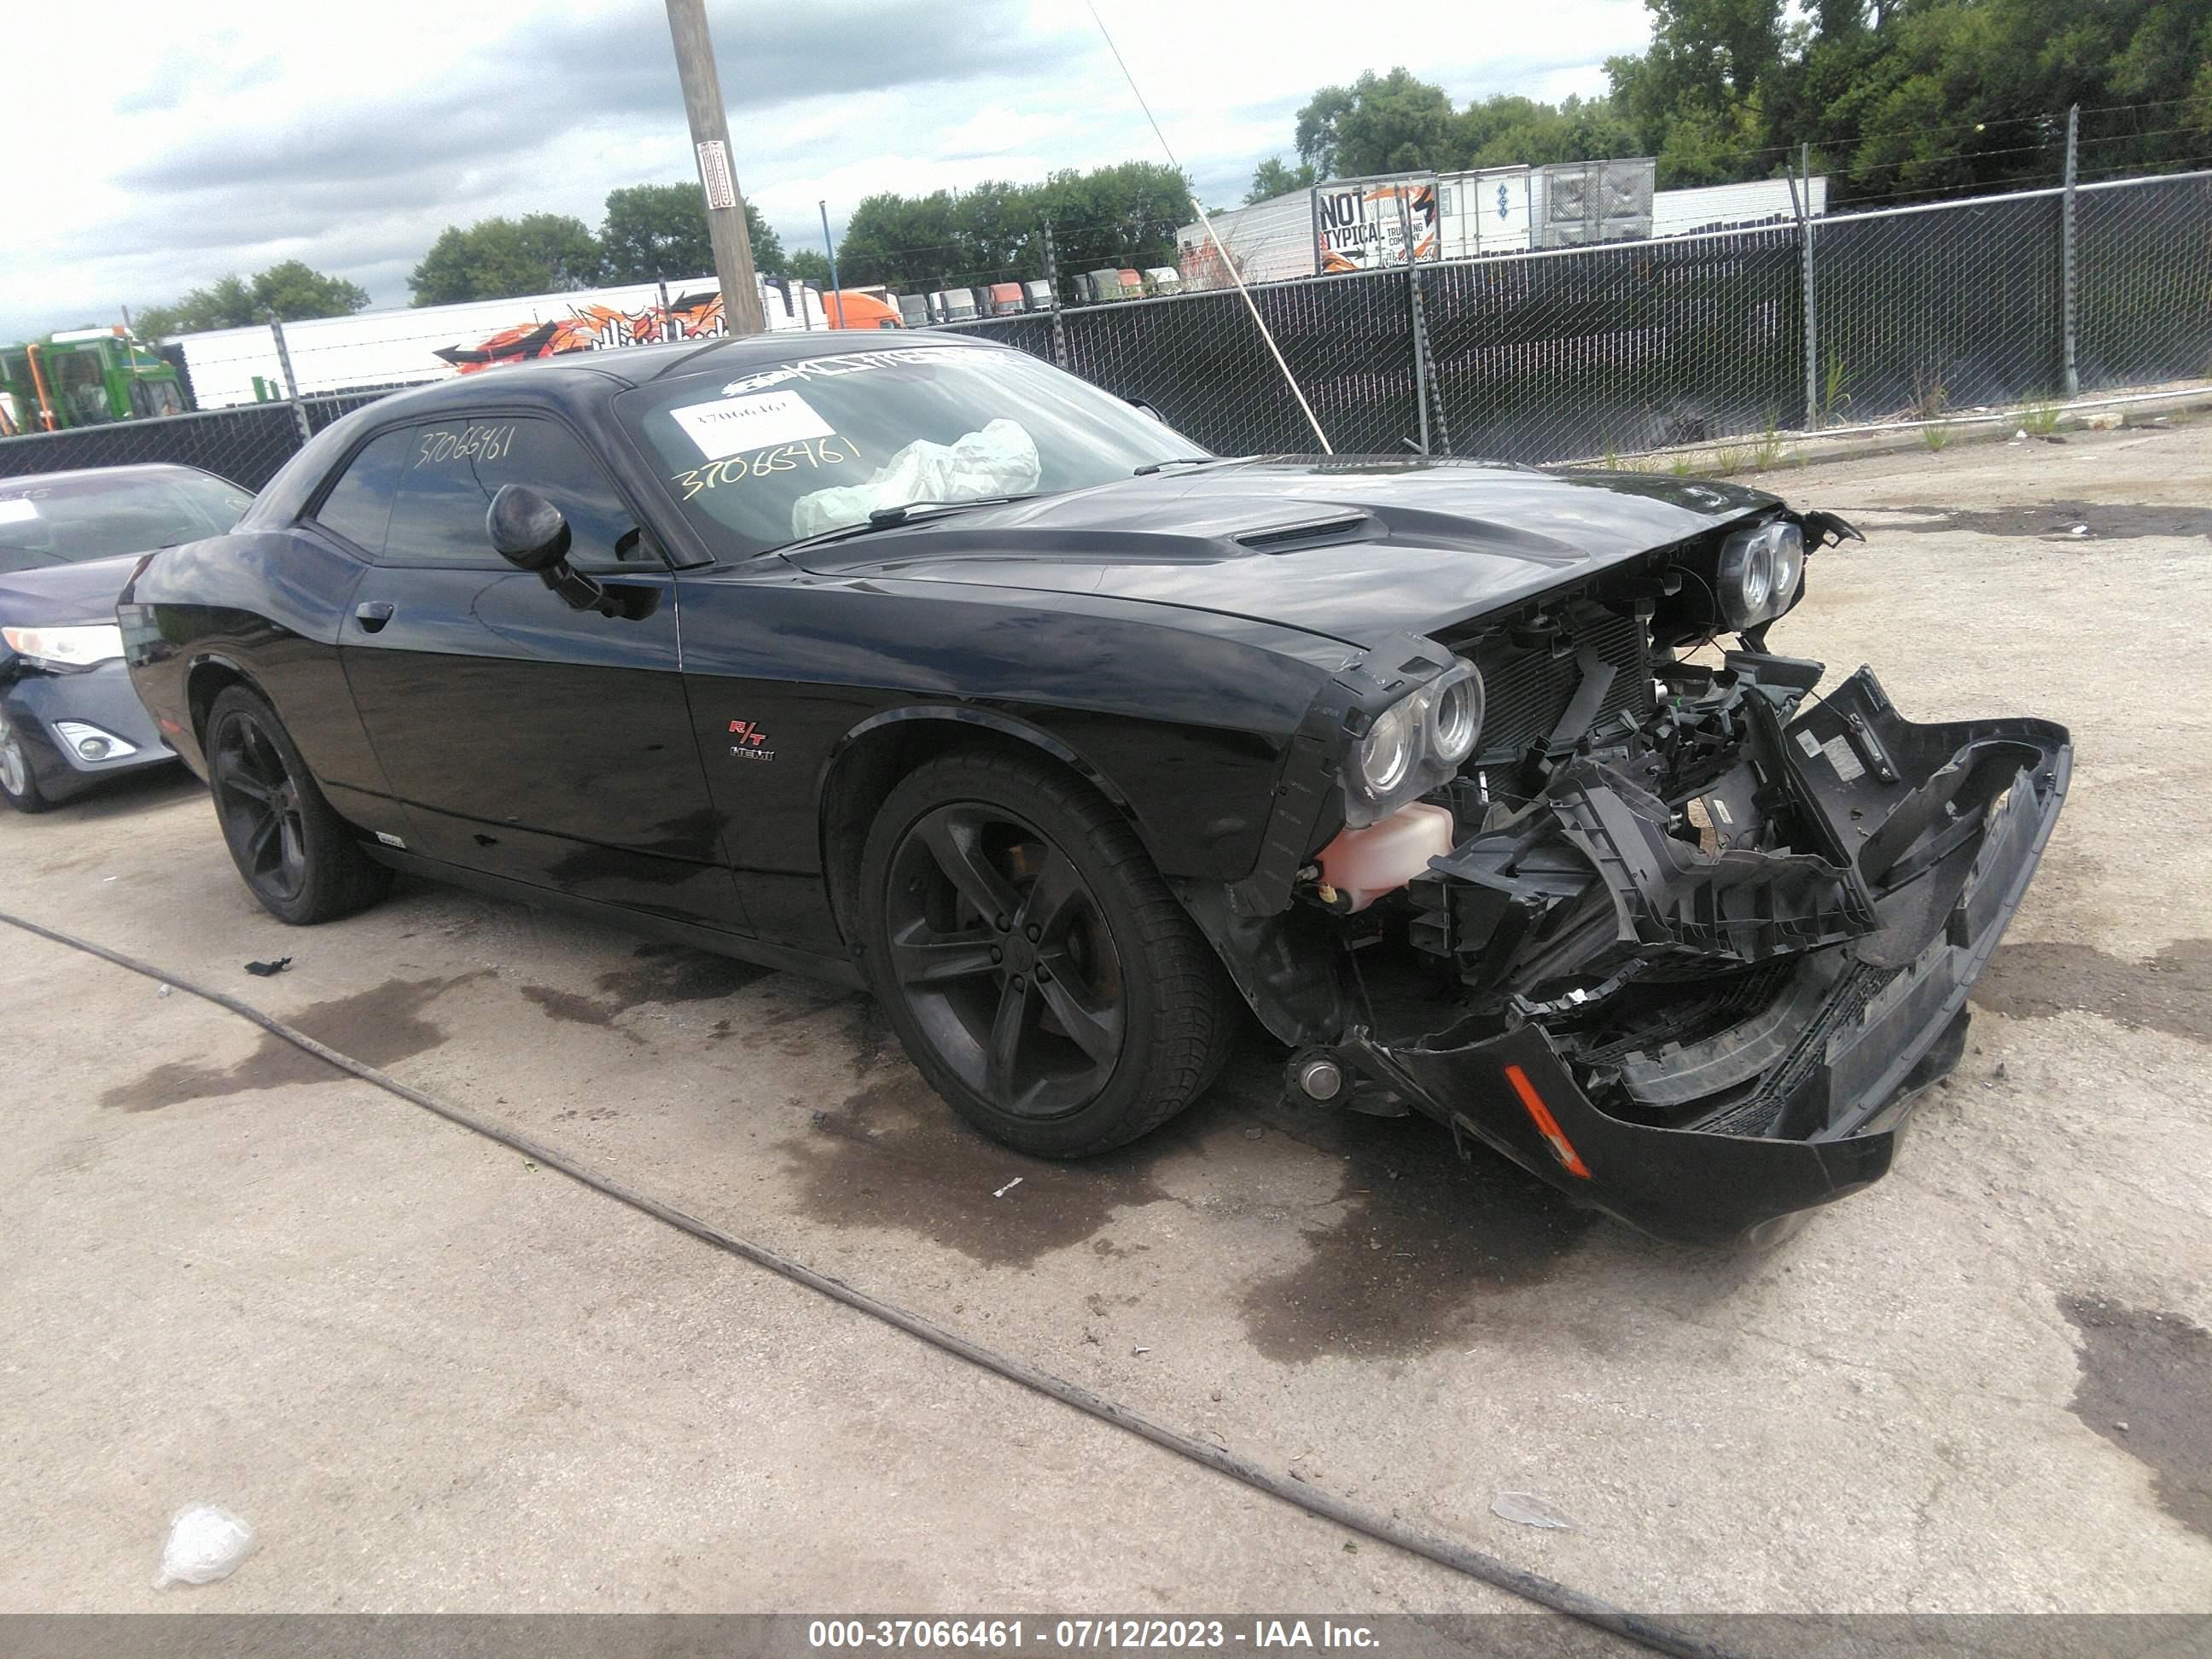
{"x": 525, "y": 529}
{"x": 1144, "y": 408}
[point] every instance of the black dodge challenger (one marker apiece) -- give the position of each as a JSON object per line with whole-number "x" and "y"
{"x": 932, "y": 670}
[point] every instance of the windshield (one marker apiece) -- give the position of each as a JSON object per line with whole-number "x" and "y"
{"x": 763, "y": 458}
{"x": 45, "y": 522}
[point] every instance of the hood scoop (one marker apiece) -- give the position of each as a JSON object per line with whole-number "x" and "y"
{"x": 1308, "y": 532}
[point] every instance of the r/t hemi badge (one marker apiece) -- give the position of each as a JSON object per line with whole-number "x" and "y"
{"x": 749, "y": 742}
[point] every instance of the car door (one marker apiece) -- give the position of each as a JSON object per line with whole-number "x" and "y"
{"x": 527, "y": 738}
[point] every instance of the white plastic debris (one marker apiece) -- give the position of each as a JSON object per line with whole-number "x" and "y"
{"x": 1530, "y": 1510}
{"x": 1010, "y": 1186}
{"x": 2079, "y": 530}
{"x": 999, "y": 460}
{"x": 205, "y": 1544}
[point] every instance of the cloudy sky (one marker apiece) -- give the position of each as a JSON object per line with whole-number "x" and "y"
{"x": 185, "y": 142}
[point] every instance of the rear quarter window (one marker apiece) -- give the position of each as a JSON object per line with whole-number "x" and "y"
{"x": 358, "y": 504}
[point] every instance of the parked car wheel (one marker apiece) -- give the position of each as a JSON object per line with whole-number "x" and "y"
{"x": 297, "y": 854}
{"x": 1039, "y": 970}
{"x": 17, "y": 781}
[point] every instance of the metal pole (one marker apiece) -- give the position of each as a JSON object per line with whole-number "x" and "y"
{"x": 1414, "y": 320}
{"x": 1802, "y": 203}
{"x": 291, "y": 384}
{"x": 1052, "y": 281}
{"x": 839, "y": 320}
{"x": 2066, "y": 254}
{"x": 718, "y": 173}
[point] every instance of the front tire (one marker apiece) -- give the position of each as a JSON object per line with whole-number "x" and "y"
{"x": 18, "y": 782}
{"x": 1032, "y": 961}
{"x": 296, "y": 852}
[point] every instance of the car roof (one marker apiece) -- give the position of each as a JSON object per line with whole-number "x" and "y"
{"x": 95, "y": 474}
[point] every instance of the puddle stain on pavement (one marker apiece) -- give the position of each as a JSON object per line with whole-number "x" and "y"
{"x": 894, "y": 1155}
{"x": 1415, "y": 1243}
{"x": 2146, "y": 1386}
{"x": 656, "y": 973}
{"x": 2046, "y": 519}
{"x": 1411, "y": 1244}
{"x": 2170, "y": 992}
{"x": 378, "y": 1027}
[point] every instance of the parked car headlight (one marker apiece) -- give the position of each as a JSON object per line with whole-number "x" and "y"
{"x": 1387, "y": 752}
{"x": 1417, "y": 742}
{"x": 66, "y": 647}
{"x": 1456, "y": 707}
{"x": 1759, "y": 572}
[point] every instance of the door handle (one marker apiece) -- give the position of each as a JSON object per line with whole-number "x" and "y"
{"x": 373, "y": 614}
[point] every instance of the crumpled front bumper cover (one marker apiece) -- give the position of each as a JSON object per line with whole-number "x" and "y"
{"x": 1890, "y": 1019}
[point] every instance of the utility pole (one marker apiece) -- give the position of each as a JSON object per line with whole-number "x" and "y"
{"x": 2066, "y": 297}
{"x": 718, "y": 174}
{"x": 838, "y": 321}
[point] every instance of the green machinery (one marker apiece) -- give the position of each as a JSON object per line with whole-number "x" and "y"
{"x": 85, "y": 377}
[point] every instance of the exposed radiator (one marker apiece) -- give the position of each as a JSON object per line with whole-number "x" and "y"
{"x": 1526, "y": 690}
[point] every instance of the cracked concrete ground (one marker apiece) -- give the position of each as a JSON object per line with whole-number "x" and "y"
{"x": 437, "y": 1378}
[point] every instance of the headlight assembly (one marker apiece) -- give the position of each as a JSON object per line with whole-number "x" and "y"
{"x": 1388, "y": 751}
{"x": 67, "y": 648}
{"x": 1416, "y": 743}
{"x": 1759, "y": 572}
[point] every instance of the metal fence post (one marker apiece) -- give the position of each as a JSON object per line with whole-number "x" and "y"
{"x": 2066, "y": 255}
{"x": 1802, "y": 203}
{"x": 291, "y": 381}
{"x": 1052, "y": 281}
{"x": 1414, "y": 322}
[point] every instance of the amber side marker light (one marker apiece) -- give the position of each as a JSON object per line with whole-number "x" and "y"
{"x": 1546, "y": 1125}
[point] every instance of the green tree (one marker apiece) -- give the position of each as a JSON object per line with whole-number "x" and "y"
{"x": 1272, "y": 178}
{"x": 500, "y": 259}
{"x": 656, "y": 231}
{"x": 292, "y": 290}
{"x": 811, "y": 265}
{"x": 1394, "y": 122}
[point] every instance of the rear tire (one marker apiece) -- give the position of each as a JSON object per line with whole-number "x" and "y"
{"x": 298, "y": 857}
{"x": 1032, "y": 961}
{"x": 18, "y": 782}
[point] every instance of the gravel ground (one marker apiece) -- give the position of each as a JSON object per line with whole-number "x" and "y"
{"x": 438, "y": 1378}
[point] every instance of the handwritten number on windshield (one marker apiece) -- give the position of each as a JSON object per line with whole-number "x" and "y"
{"x": 813, "y": 452}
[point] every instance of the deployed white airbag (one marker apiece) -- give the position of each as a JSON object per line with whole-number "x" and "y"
{"x": 999, "y": 460}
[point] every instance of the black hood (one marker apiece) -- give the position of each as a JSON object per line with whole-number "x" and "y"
{"x": 55, "y": 595}
{"x": 1353, "y": 548}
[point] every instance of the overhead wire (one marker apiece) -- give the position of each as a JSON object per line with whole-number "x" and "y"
{"x": 1206, "y": 219}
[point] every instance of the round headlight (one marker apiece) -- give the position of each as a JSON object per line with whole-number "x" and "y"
{"x": 1388, "y": 751}
{"x": 1456, "y": 714}
{"x": 1758, "y": 574}
{"x": 1789, "y": 565}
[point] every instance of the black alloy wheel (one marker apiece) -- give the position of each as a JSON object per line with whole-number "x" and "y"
{"x": 1037, "y": 969}
{"x": 1004, "y": 961}
{"x": 299, "y": 858}
{"x": 259, "y": 805}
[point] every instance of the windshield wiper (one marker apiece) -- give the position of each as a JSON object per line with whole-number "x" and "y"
{"x": 1147, "y": 471}
{"x": 888, "y": 518}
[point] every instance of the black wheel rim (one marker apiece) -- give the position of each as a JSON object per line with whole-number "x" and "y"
{"x": 259, "y": 802}
{"x": 1005, "y": 959}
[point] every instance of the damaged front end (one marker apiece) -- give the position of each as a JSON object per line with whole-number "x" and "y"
{"x": 1689, "y": 965}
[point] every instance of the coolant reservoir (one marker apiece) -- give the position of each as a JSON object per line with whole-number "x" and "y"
{"x": 1362, "y": 865}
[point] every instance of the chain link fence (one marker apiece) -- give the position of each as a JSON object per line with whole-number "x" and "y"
{"x": 1572, "y": 355}
{"x": 2144, "y": 281}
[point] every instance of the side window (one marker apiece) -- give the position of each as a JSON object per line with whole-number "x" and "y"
{"x": 455, "y": 467}
{"x": 359, "y": 503}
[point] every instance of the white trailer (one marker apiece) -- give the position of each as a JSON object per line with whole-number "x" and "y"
{"x": 1483, "y": 212}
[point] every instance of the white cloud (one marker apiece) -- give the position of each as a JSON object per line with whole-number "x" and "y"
{"x": 248, "y": 132}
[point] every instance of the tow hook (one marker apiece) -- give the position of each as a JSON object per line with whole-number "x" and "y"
{"x": 1322, "y": 1077}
